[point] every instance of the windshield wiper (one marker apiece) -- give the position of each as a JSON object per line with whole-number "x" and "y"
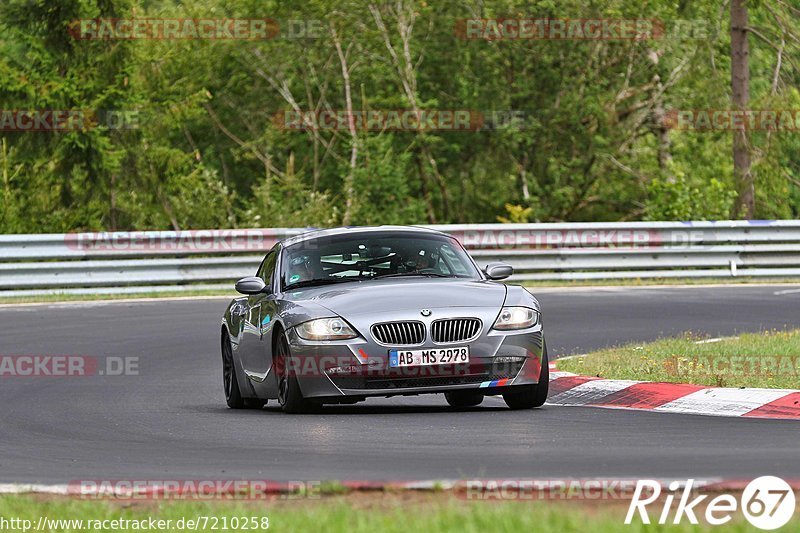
{"x": 317, "y": 282}
{"x": 421, "y": 274}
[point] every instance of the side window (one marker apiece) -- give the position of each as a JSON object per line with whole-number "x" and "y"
{"x": 267, "y": 268}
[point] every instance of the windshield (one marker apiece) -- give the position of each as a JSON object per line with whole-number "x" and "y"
{"x": 360, "y": 256}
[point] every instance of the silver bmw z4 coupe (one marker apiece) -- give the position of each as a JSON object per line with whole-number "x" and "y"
{"x": 336, "y": 316}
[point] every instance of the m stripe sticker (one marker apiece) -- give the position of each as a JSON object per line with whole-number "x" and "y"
{"x": 496, "y": 383}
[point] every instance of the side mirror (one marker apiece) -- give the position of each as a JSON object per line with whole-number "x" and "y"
{"x": 498, "y": 271}
{"x": 251, "y": 285}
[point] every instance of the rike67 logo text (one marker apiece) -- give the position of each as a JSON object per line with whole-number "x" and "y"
{"x": 767, "y": 503}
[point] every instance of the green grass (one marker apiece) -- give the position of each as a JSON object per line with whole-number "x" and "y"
{"x": 51, "y": 298}
{"x": 646, "y": 282}
{"x": 382, "y": 512}
{"x": 769, "y": 359}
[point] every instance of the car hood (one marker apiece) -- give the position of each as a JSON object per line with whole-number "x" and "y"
{"x": 378, "y": 296}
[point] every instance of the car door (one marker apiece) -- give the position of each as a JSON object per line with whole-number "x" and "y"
{"x": 257, "y": 355}
{"x": 251, "y": 322}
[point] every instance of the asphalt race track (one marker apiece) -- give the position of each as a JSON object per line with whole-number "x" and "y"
{"x": 170, "y": 421}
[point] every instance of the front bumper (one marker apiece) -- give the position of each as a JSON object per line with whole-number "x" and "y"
{"x": 359, "y": 367}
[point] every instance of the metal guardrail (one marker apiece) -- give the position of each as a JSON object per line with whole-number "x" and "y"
{"x": 136, "y": 261}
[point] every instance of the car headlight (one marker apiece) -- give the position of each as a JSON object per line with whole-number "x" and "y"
{"x": 516, "y": 318}
{"x": 326, "y": 329}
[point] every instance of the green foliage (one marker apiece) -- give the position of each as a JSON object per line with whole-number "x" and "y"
{"x": 573, "y": 130}
{"x": 516, "y": 214}
{"x": 384, "y": 194}
{"x": 287, "y": 203}
{"x": 681, "y": 200}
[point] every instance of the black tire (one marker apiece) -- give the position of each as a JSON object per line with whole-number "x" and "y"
{"x": 233, "y": 396}
{"x": 465, "y": 398}
{"x": 530, "y": 396}
{"x": 290, "y": 397}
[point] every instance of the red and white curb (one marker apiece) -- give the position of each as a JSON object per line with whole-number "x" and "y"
{"x": 574, "y": 390}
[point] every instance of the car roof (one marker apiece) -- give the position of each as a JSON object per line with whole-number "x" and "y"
{"x": 314, "y": 234}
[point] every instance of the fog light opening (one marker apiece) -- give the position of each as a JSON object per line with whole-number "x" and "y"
{"x": 508, "y": 359}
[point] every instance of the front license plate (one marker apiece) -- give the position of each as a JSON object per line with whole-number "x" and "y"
{"x": 432, "y": 356}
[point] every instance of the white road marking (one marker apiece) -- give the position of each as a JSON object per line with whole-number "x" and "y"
{"x": 723, "y": 402}
{"x": 24, "y": 488}
{"x": 591, "y": 391}
{"x": 558, "y": 374}
{"x": 715, "y": 339}
{"x": 788, "y": 291}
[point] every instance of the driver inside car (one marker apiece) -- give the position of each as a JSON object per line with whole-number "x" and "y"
{"x": 424, "y": 261}
{"x": 302, "y": 269}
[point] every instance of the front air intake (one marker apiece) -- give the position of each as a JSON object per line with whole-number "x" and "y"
{"x": 399, "y": 333}
{"x": 455, "y": 330}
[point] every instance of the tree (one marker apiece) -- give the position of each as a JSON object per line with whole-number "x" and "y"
{"x": 745, "y": 204}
